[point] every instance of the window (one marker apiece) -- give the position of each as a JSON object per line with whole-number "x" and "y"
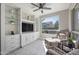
{"x": 50, "y": 24}
{"x": 75, "y": 23}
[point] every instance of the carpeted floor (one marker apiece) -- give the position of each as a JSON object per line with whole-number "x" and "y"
{"x": 35, "y": 48}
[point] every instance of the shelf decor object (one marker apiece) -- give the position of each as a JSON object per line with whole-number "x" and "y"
{"x": 12, "y": 22}
{"x": 12, "y": 33}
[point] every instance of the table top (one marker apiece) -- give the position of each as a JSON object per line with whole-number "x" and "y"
{"x": 52, "y": 39}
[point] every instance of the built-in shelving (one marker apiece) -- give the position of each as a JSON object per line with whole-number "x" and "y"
{"x": 12, "y": 20}
{"x": 27, "y": 21}
{"x": 27, "y": 16}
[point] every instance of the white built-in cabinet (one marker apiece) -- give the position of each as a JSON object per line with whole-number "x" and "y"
{"x": 11, "y": 20}
{"x": 12, "y": 23}
{"x": 29, "y": 37}
{"x": 12, "y": 42}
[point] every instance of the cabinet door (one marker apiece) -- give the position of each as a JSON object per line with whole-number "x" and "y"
{"x": 17, "y": 41}
{"x": 32, "y": 38}
{"x": 24, "y": 39}
{"x": 12, "y": 42}
{"x": 9, "y": 44}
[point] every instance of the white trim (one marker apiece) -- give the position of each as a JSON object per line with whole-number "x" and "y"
{"x": 27, "y": 21}
{"x": 75, "y": 32}
{"x": 58, "y": 21}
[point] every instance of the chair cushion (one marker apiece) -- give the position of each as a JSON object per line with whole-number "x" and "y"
{"x": 66, "y": 49}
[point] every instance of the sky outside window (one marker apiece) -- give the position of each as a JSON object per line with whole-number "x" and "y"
{"x": 52, "y": 19}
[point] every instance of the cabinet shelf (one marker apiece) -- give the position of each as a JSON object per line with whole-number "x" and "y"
{"x": 27, "y": 21}
{"x": 12, "y": 20}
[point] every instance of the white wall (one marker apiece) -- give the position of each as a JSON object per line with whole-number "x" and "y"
{"x": 64, "y": 19}
{"x": 63, "y": 23}
{"x": 3, "y": 40}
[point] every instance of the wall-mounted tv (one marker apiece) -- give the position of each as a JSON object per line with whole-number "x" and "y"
{"x": 27, "y": 27}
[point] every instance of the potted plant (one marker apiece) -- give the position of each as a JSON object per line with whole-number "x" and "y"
{"x": 70, "y": 41}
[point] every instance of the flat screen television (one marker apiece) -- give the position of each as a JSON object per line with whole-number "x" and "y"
{"x": 27, "y": 27}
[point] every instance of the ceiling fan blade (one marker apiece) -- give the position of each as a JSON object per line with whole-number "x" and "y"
{"x": 34, "y": 5}
{"x": 35, "y": 10}
{"x": 47, "y": 8}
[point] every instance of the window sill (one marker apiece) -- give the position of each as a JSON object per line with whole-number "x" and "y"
{"x": 75, "y": 32}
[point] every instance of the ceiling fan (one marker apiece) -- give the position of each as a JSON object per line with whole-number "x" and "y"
{"x": 40, "y": 6}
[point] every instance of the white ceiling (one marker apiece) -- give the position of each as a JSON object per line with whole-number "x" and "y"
{"x": 28, "y": 8}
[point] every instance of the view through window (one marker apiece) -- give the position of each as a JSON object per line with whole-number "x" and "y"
{"x": 76, "y": 20}
{"x": 50, "y": 24}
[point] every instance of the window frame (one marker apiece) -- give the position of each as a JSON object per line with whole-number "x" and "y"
{"x": 73, "y": 22}
{"x": 57, "y": 30}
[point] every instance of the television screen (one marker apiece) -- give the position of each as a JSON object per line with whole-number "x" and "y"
{"x": 27, "y": 27}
